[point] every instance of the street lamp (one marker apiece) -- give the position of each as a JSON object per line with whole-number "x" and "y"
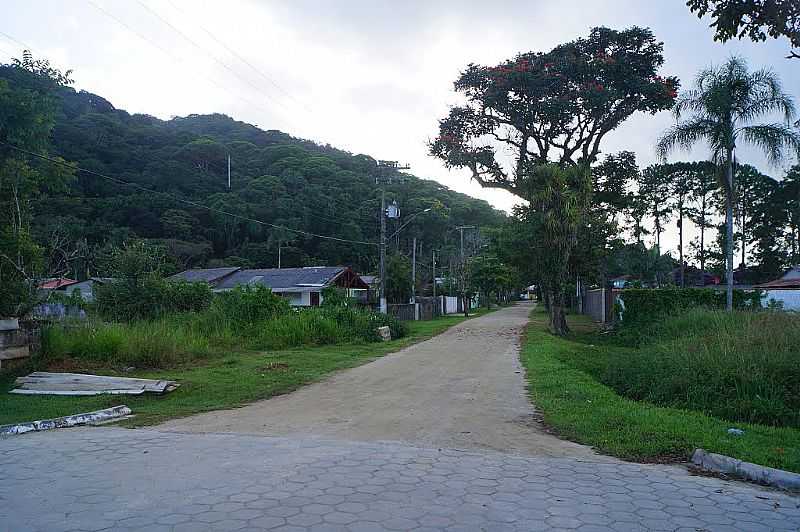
{"x": 408, "y": 222}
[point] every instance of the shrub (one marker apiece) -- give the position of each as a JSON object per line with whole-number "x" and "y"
{"x": 149, "y": 297}
{"x": 640, "y": 305}
{"x": 740, "y": 366}
{"x": 246, "y": 305}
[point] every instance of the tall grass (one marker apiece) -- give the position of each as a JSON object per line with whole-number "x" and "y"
{"x": 740, "y": 366}
{"x": 149, "y": 344}
{"x": 176, "y": 339}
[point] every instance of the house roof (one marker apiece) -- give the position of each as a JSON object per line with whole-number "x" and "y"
{"x": 209, "y": 275}
{"x": 369, "y": 279}
{"x": 283, "y": 278}
{"x": 790, "y": 279}
{"x": 53, "y": 284}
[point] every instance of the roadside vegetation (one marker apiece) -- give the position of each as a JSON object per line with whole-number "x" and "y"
{"x": 229, "y": 379}
{"x": 673, "y": 387}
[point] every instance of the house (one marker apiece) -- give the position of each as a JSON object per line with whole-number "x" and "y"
{"x": 785, "y": 290}
{"x": 86, "y": 288}
{"x": 301, "y": 286}
{"x": 55, "y": 283}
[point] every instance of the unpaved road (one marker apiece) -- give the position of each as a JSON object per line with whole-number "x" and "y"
{"x": 462, "y": 389}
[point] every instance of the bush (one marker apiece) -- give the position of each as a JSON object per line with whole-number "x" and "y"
{"x": 149, "y": 297}
{"x": 642, "y": 305}
{"x": 740, "y": 366}
{"x": 247, "y": 305}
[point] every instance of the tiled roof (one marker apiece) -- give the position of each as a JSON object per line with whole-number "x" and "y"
{"x": 282, "y": 278}
{"x": 209, "y": 275}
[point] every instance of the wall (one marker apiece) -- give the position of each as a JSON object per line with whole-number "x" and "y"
{"x": 451, "y": 305}
{"x": 84, "y": 286}
{"x": 594, "y": 304}
{"x": 789, "y": 298}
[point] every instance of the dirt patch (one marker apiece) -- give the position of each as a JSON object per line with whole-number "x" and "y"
{"x": 462, "y": 389}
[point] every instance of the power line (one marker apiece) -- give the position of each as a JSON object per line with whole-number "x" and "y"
{"x": 245, "y": 61}
{"x": 181, "y": 200}
{"x": 199, "y": 47}
{"x": 176, "y": 58}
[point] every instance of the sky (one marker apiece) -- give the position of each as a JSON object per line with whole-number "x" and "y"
{"x": 370, "y": 76}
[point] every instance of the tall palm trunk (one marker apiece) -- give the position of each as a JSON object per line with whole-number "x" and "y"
{"x": 729, "y": 229}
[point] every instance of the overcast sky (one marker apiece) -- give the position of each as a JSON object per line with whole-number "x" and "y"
{"x": 366, "y": 76}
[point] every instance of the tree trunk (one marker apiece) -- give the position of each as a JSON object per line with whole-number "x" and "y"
{"x": 729, "y": 231}
{"x": 744, "y": 238}
{"x": 558, "y": 317}
{"x": 702, "y": 243}
{"x": 680, "y": 242}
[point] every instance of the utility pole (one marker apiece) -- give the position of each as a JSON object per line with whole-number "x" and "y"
{"x": 279, "y": 254}
{"x": 414, "y": 271}
{"x": 229, "y": 171}
{"x": 384, "y": 176}
{"x": 464, "y": 270}
{"x": 433, "y": 271}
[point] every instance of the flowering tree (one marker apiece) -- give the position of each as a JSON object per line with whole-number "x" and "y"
{"x": 548, "y": 109}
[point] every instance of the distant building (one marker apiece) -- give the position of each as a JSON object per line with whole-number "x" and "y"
{"x": 55, "y": 283}
{"x": 301, "y": 286}
{"x": 785, "y": 290}
{"x": 86, "y": 288}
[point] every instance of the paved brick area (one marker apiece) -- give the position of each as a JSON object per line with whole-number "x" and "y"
{"x": 116, "y": 479}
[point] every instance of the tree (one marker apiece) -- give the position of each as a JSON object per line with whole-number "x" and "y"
{"x": 725, "y": 104}
{"x": 654, "y": 188}
{"x": 753, "y": 191}
{"x": 27, "y": 116}
{"x": 752, "y": 18}
{"x": 790, "y": 200}
{"x": 552, "y": 108}
{"x": 705, "y": 184}
{"x": 489, "y": 276}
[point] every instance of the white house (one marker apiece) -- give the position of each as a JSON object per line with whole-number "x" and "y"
{"x": 301, "y": 286}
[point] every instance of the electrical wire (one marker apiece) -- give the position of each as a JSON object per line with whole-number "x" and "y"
{"x": 182, "y": 200}
{"x": 199, "y": 47}
{"x": 245, "y": 61}
{"x": 177, "y": 59}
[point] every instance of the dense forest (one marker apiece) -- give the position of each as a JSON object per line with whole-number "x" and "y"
{"x": 275, "y": 179}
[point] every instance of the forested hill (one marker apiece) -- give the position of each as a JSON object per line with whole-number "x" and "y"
{"x": 276, "y": 179}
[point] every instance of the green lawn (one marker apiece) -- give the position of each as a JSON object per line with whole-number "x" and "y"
{"x": 218, "y": 382}
{"x": 582, "y": 409}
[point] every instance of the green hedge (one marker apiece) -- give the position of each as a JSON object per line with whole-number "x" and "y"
{"x": 645, "y": 304}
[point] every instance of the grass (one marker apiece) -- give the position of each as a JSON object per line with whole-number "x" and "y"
{"x": 218, "y": 382}
{"x": 581, "y": 408}
{"x": 741, "y": 366}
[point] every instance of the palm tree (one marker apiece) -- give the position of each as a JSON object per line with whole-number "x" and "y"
{"x": 725, "y": 103}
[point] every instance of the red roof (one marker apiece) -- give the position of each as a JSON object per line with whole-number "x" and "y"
{"x": 53, "y": 284}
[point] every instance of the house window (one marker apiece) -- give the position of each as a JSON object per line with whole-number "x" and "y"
{"x": 314, "y": 299}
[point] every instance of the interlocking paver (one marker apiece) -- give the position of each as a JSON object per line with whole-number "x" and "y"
{"x": 286, "y": 484}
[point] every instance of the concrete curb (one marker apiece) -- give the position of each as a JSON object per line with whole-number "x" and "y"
{"x": 67, "y": 421}
{"x": 763, "y": 475}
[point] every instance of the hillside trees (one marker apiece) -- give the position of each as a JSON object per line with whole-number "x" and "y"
{"x": 27, "y": 116}
{"x": 182, "y": 166}
{"x": 550, "y": 112}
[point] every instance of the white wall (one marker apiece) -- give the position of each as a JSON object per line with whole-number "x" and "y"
{"x": 84, "y": 286}
{"x": 790, "y": 298}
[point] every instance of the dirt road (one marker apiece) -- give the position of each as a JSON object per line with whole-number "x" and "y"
{"x": 462, "y": 389}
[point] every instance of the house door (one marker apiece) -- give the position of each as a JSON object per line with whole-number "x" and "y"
{"x": 314, "y": 299}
